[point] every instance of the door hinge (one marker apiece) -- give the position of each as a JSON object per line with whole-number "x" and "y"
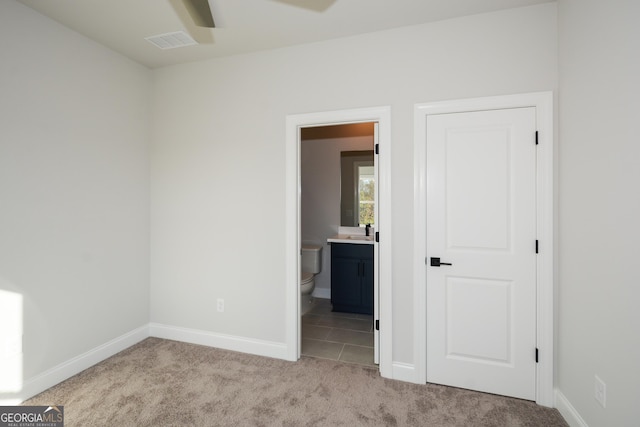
{"x": 377, "y": 149}
{"x": 536, "y": 246}
{"x": 536, "y": 137}
{"x": 377, "y": 325}
{"x": 377, "y": 237}
{"x": 536, "y": 354}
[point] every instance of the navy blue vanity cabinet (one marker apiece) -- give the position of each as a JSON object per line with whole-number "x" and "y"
{"x": 352, "y": 278}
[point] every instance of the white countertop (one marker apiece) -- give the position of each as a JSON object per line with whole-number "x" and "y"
{"x": 356, "y": 239}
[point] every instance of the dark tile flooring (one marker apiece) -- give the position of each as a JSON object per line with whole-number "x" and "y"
{"x": 347, "y": 337}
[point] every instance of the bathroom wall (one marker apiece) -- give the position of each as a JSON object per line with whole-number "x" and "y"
{"x": 320, "y": 196}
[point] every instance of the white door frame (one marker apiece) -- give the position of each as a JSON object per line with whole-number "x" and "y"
{"x": 294, "y": 123}
{"x": 543, "y": 102}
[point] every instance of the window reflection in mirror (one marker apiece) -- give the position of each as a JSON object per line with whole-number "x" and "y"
{"x": 366, "y": 194}
{"x": 357, "y": 188}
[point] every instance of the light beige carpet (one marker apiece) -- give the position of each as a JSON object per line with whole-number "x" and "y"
{"x": 166, "y": 383}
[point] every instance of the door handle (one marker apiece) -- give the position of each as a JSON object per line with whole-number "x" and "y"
{"x": 435, "y": 262}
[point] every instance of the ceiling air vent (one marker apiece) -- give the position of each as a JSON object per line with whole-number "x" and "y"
{"x": 171, "y": 40}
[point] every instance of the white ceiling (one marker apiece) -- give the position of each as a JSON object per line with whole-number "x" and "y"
{"x": 246, "y": 25}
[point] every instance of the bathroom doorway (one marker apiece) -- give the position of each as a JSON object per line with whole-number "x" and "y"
{"x": 379, "y": 118}
{"x": 338, "y": 198}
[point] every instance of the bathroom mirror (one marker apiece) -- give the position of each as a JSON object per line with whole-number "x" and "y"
{"x": 357, "y": 188}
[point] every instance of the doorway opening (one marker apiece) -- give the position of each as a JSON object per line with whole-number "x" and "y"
{"x": 338, "y": 198}
{"x": 297, "y": 125}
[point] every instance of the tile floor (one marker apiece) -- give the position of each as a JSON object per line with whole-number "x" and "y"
{"x": 347, "y": 337}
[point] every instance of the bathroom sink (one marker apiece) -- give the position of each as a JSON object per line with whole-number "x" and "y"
{"x": 359, "y": 237}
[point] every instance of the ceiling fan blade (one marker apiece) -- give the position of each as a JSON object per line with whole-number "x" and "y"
{"x": 315, "y": 5}
{"x": 200, "y": 12}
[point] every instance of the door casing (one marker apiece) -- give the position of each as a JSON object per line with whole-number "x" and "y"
{"x": 543, "y": 102}
{"x": 382, "y": 257}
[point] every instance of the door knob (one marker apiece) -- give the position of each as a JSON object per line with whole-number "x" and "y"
{"x": 435, "y": 262}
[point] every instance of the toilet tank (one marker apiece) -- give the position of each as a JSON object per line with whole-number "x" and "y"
{"x": 312, "y": 258}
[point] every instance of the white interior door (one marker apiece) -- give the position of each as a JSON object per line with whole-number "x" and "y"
{"x": 376, "y": 253}
{"x": 481, "y": 219}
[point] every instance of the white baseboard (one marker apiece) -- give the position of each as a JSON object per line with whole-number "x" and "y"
{"x": 74, "y": 366}
{"x": 323, "y": 293}
{"x": 403, "y": 372}
{"x": 66, "y": 370}
{"x": 566, "y": 409}
{"x": 228, "y": 342}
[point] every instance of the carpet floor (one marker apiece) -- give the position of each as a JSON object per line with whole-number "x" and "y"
{"x": 167, "y": 383}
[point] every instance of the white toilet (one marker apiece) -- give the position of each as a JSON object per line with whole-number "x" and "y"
{"x": 311, "y": 265}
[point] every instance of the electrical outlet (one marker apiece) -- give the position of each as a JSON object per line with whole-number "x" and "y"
{"x": 601, "y": 392}
{"x": 220, "y": 305}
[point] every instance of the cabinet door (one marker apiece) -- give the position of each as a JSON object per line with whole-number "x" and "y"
{"x": 367, "y": 285}
{"x": 345, "y": 281}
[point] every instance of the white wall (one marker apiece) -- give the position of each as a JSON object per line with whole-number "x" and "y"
{"x": 219, "y": 151}
{"x": 599, "y": 208}
{"x": 320, "y": 196}
{"x": 74, "y": 191}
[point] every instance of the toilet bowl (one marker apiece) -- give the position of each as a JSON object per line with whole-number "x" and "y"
{"x": 311, "y": 265}
{"x": 307, "y": 283}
